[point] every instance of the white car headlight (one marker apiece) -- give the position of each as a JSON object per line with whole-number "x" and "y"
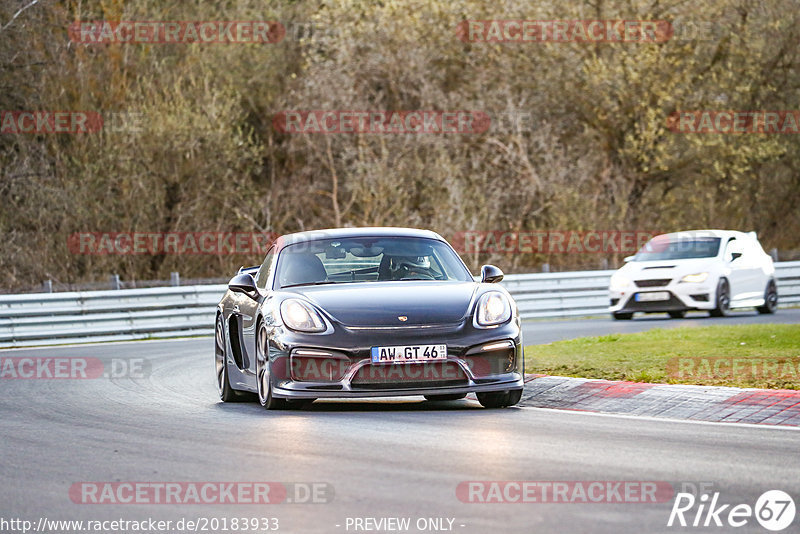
{"x": 493, "y": 308}
{"x": 695, "y": 278}
{"x": 301, "y": 316}
{"x": 619, "y": 282}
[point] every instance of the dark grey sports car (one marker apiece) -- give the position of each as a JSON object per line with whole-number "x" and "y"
{"x": 367, "y": 312}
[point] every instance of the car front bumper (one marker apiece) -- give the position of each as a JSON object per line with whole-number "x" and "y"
{"x": 683, "y": 296}
{"x": 478, "y": 360}
{"x": 298, "y": 390}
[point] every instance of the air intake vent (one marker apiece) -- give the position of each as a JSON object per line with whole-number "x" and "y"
{"x": 653, "y": 283}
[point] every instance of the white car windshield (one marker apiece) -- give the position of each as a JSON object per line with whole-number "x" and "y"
{"x": 676, "y": 248}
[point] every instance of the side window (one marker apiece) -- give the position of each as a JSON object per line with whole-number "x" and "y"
{"x": 264, "y": 271}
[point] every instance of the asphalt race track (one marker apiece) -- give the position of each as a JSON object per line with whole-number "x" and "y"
{"x": 380, "y": 458}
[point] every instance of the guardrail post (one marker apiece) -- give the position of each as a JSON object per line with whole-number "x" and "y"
{"x": 114, "y": 281}
{"x": 545, "y": 267}
{"x": 47, "y": 286}
{"x": 174, "y": 279}
{"x": 604, "y": 264}
{"x": 774, "y": 254}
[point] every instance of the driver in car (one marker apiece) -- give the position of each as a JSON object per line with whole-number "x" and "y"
{"x": 404, "y": 267}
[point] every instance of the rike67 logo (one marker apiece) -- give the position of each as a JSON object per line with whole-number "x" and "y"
{"x": 774, "y": 510}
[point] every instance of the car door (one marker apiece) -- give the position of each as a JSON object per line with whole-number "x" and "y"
{"x": 754, "y": 262}
{"x": 739, "y": 275}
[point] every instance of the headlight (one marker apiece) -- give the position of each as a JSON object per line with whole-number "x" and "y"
{"x": 695, "y": 278}
{"x": 493, "y": 308}
{"x": 301, "y": 316}
{"x": 619, "y": 281}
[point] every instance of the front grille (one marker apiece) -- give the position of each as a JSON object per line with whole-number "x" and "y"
{"x": 659, "y": 282}
{"x": 409, "y": 385}
{"x": 409, "y": 375}
{"x": 674, "y": 303}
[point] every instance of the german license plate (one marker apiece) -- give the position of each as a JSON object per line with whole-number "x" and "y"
{"x": 650, "y": 296}
{"x": 409, "y": 353}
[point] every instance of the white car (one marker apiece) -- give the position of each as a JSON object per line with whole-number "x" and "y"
{"x": 713, "y": 270}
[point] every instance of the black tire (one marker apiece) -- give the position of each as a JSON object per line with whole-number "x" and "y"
{"x": 499, "y": 399}
{"x": 680, "y": 314}
{"x": 622, "y": 316}
{"x": 263, "y": 374}
{"x": 723, "y": 299}
{"x": 514, "y": 397}
{"x": 226, "y": 392}
{"x": 770, "y": 299}
{"x": 447, "y": 397}
{"x": 494, "y": 399}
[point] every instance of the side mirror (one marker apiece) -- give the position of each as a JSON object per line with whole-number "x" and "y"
{"x": 491, "y": 274}
{"x": 244, "y": 283}
{"x": 735, "y": 255}
{"x": 626, "y": 259}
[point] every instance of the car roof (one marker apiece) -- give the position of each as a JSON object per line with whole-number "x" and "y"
{"x": 368, "y": 231}
{"x": 724, "y": 234}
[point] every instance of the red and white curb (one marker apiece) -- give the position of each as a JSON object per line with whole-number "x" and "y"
{"x": 697, "y": 403}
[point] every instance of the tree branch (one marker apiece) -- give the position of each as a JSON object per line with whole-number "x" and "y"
{"x": 17, "y": 14}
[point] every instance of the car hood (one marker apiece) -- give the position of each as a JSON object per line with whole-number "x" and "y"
{"x": 648, "y": 270}
{"x": 383, "y": 303}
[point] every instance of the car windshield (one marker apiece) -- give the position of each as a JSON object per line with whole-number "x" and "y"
{"x": 368, "y": 259}
{"x": 678, "y": 248}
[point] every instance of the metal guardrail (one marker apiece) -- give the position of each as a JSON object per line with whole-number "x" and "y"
{"x": 93, "y": 316}
{"x": 164, "y": 312}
